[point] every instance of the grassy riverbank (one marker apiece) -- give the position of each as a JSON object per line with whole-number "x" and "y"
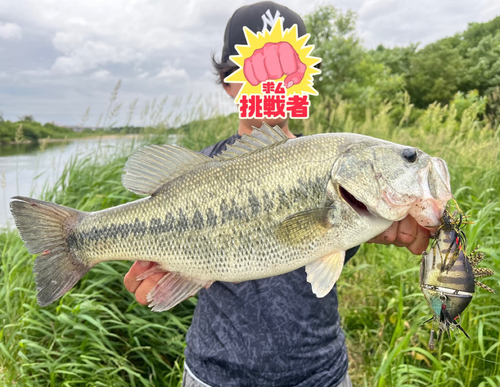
{"x": 98, "y": 336}
{"x": 32, "y": 132}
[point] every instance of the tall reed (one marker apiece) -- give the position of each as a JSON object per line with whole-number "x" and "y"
{"x": 97, "y": 335}
{"x": 381, "y": 303}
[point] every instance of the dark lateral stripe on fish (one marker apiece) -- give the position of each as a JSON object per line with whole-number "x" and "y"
{"x": 282, "y": 188}
{"x": 254, "y": 202}
{"x": 181, "y": 222}
{"x": 233, "y": 211}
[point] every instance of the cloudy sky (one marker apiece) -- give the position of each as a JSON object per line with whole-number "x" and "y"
{"x": 58, "y": 58}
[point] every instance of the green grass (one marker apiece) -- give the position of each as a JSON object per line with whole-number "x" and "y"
{"x": 97, "y": 335}
{"x": 380, "y": 299}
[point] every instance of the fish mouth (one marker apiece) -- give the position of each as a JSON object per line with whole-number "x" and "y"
{"x": 355, "y": 204}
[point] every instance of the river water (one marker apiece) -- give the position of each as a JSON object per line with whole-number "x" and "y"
{"x": 25, "y": 169}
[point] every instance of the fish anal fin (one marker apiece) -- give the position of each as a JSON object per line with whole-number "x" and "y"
{"x": 304, "y": 227}
{"x": 324, "y": 273}
{"x": 152, "y": 166}
{"x": 172, "y": 289}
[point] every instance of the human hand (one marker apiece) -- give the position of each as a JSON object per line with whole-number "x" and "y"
{"x": 405, "y": 233}
{"x": 141, "y": 288}
{"x": 272, "y": 62}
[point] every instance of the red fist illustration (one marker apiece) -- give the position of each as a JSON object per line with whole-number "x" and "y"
{"x": 272, "y": 62}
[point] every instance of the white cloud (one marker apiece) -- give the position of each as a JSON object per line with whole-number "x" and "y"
{"x": 372, "y": 9}
{"x": 10, "y": 31}
{"x": 169, "y": 73}
{"x": 36, "y": 72}
{"x": 402, "y": 22}
{"x": 66, "y": 42}
{"x": 491, "y": 9}
{"x": 92, "y": 54}
{"x": 150, "y": 44}
{"x": 100, "y": 74}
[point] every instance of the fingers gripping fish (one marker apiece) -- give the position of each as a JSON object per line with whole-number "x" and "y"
{"x": 266, "y": 206}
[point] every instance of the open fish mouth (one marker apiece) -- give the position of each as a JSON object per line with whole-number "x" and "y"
{"x": 435, "y": 180}
{"x": 355, "y": 204}
{"x": 427, "y": 212}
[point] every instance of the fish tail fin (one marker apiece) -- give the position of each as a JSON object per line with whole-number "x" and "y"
{"x": 44, "y": 228}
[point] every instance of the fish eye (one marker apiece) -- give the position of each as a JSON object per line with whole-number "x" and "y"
{"x": 409, "y": 154}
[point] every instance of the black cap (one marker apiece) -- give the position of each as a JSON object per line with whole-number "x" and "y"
{"x": 255, "y": 17}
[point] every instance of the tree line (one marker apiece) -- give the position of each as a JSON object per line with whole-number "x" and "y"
{"x": 465, "y": 66}
{"x": 462, "y": 69}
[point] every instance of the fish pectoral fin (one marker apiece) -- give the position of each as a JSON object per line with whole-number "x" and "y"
{"x": 172, "y": 289}
{"x": 150, "y": 167}
{"x": 324, "y": 273}
{"x": 304, "y": 227}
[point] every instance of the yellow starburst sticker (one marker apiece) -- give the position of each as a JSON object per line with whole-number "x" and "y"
{"x": 276, "y": 71}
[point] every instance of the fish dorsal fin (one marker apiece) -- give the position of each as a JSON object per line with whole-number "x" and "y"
{"x": 152, "y": 166}
{"x": 260, "y": 138}
{"x": 323, "y": 273}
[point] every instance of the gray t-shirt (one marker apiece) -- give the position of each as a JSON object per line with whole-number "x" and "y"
{"x": 268, "y": 332}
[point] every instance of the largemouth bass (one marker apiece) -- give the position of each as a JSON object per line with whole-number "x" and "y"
{"x": 266, "y": 206}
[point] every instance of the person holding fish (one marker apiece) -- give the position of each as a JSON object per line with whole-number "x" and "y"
{"x": 260, "y": 224}
{"x": 271, "y": 331}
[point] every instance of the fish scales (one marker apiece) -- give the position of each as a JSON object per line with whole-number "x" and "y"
{"x": 187, "y": 228}
{"x": 266, "y": 206}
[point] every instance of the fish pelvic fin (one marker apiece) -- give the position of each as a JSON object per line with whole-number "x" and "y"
{"x": 324, "y": 273}
{"x": 44, "y": 228}
{"x": 172, "y": 289}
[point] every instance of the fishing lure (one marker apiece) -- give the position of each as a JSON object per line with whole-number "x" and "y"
{"x": 448, "y": 276}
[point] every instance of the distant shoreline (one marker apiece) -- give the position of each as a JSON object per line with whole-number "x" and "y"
{"x": 54, "y": 140}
